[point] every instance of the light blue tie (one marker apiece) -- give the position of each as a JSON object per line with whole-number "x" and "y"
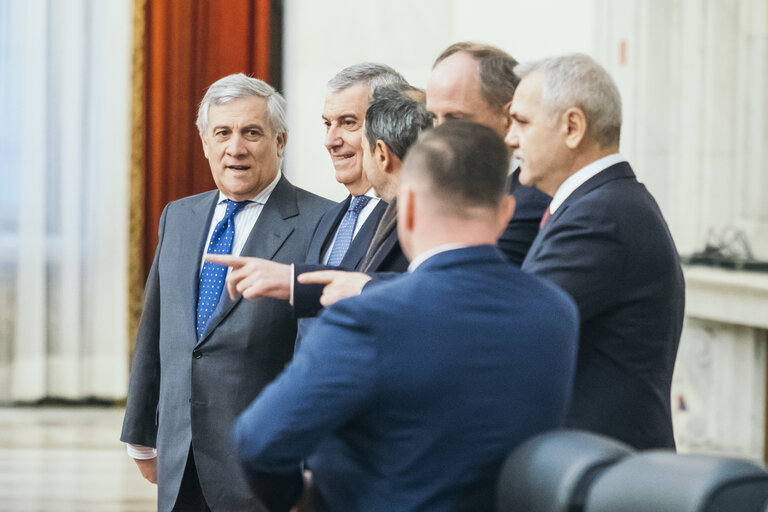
{"x": 347, "y": 230}
{"x": 212, "y": 276}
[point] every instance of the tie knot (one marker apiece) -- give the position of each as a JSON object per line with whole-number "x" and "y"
{"x": 358, "y": 203}
{"x": 234, "y": 207}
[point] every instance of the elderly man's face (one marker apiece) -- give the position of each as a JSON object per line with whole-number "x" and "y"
{"x": 242, "y": 148}
{"x": 343, "y": 115}
{"x": 454, "y": 92}
{"x": 536, "y": 136}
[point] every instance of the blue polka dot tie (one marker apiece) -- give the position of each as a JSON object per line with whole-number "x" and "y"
{"x": 347, "y": 229}
{"x": 213, "y": 275}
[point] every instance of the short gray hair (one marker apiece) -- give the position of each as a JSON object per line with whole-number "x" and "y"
{"x": 371, "y": 74}
{"x": 239, "y": 86}
{"x": 395, "y": 118}
{"x": 577, "y": 80}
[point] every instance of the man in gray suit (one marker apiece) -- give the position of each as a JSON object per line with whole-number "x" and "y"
{"x": 201, "y": 357}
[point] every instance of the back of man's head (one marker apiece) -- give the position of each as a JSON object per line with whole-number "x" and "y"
{"x": 495, "y": 69}
{"x": 372, "y": 74}
{"x": 395, "y": 118}
{"x": 576, "y": 80}
{"x": 465, "y": 164}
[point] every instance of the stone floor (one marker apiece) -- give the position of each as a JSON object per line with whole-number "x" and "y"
{"x": 68, "y": 459}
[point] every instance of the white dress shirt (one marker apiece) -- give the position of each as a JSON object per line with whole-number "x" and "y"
{"x": 421, "y": 258}
{"x": 580, "y": 177}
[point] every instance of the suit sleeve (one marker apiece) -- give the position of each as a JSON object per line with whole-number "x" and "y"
{"x": 306, "y": 297}
{"x": 328, "y": 382}
{"x": 582, "y": 253}
{"x": 140, "y": 422}
{"x": 524, "y": 226}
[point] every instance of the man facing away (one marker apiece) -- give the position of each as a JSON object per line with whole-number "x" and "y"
{"x": 411, "y": 394}
{"x": 200, "y": 357}
{"x": 604, "y": 241}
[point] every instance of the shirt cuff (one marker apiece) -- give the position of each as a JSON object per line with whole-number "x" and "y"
{"x": 293, "y": 276}
{"x": 141, "y": 452}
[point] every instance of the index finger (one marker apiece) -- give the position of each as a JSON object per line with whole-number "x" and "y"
{"x": 227, "y": 260}
{"x": 318, "y": 276}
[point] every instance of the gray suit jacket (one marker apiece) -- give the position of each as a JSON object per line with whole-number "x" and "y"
{"x": 184, "y": 392}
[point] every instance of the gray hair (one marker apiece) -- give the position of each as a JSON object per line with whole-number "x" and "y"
{"x": 576, "y": 80}
{"x": 239, "y": 86}
{"x": 371, "y": 74}
{"x": 395, "y": 118}
{"x": 495, "y": 70}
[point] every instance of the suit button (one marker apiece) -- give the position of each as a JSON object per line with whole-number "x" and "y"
{"x": 197, "y": 353}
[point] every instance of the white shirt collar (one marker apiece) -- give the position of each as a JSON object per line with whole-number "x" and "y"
{"x": 578, "y": 178}
{"x": 421, "y": 258}
{"x": 261, "y": 197}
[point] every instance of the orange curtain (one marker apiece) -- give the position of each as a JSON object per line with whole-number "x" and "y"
{"x": 189, "y": 44}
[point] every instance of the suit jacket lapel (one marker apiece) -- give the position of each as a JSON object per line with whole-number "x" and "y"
{"x": 190, "y": 252}
{"x": 267, "y": 236}
{"x": 617, "y": 171}
{"x": 384, "y": 239}
{"x": 364, "y": 237}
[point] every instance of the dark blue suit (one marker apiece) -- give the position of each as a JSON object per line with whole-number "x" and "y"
{"x": 306, "y": 297}
{"x": 608, "y": 246}
{"x": 411, "y": 394}
{"x": 530, "y": 204}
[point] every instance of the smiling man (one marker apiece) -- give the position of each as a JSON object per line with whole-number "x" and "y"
{"x": 346, "y": 231}
{"x": 201, "y": 358}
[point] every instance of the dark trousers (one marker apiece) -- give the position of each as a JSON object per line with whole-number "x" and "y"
{"x": 190, "y": 497}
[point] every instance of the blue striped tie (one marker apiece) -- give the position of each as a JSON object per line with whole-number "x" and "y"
{"x": 213, "y": 275}
{"x": 347, "y": 230}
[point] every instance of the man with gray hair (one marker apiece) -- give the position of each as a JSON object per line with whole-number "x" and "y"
{"x": 603, "y": 240}
{"x": 201, "y": 358}
{"x": 345, "y": 232}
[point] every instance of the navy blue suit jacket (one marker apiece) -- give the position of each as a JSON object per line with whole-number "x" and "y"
{"x": 609, "y": 247}
{"x": 412, "y": 393}
{"x": 306, "y": 297}
{"x": 530, "y": 204}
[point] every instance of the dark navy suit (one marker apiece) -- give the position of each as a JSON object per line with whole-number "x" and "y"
{"x": 608, "y": 246}
{"x": 412, "y": 393}
{"x": 306, "y": 297}
{"x": 530, "y": 204}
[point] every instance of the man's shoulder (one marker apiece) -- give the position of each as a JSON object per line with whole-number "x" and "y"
{"x": 308, "y": 202}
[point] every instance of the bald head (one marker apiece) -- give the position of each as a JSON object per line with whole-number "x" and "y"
{"x": 472, "y": 82}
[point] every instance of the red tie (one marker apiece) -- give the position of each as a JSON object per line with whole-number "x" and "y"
{"x": 544, "y": 218}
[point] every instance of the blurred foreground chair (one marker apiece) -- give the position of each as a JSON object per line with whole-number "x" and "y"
{"x": 661, "y": 481}
{"x": 552, "y": 471}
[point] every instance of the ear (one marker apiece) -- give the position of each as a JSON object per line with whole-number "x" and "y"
{"x": 205, "y": 145}
{"x": 409, "y": 208}
{"x": 382, "y": 155}
{"x": 574, "y": 126}
{"x": 282, "y": 139}
{"x": 507, "y": 116}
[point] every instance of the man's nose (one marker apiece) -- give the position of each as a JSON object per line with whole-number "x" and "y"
{"x": 332, "y": 137}
{"x": 511, "y": 139}
{"x": 236, "y": 145}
